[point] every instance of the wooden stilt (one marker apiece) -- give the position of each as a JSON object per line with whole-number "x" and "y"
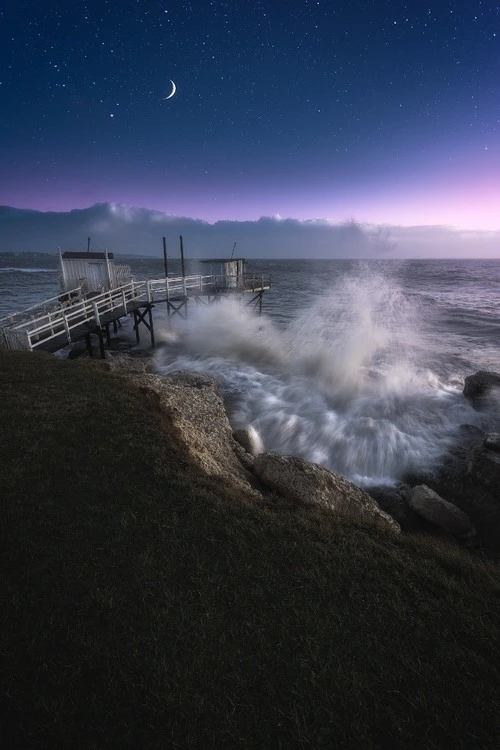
{"x": 88, "y": 344}
{"x": 140, "y": 317}
{"x": 165, "y": 261}
{"x": 182, "y": 257}
{"x": 101, "y": 343}
{"x": 151, "y": 328}
{"x": 178, "y": 308}
{"x": 136, "y": 327}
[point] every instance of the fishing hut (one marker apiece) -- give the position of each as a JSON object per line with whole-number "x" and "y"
{"x": 92, "y": 272}
{"x": 96, "y": 293}
{"x": 231, "y": 272}
{"x": 225, "y": 277}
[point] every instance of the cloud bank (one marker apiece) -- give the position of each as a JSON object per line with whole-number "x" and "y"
{"x": 127, "y": 230}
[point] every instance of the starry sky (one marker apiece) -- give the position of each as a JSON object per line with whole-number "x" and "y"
{"x": 381, "y": 111}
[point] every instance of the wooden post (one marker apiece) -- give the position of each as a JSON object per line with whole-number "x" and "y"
{"x": 165, "y": 262}
{"x": 108, "y": 270}
{"x": 136, "y": 327}
{"x": 101, "y": 343}
{"x": 182, "y": 257}
{"x": 66, "y": 328}
{"x": 63, "y": 273}
{"x": 96, "y": 313}
{"x": 151, "y": 328}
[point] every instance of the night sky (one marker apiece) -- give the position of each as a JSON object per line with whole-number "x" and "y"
{"x": 378, "y": 111}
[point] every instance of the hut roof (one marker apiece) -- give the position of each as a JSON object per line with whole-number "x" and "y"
{"x": 88, "y": 256}
{"x": 221, "y": 260}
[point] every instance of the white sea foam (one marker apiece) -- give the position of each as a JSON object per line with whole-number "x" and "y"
{"x": 11, "y": 269}
{"x": 342, "y": 385}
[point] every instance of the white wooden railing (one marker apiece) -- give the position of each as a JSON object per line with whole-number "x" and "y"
{"x": 28, "y": 334}
{"x": 165, "y": 289}
{"x": 32, "y": 328}
{"x": 54, "y": 303}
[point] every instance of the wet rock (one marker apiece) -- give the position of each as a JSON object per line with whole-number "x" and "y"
{"x": 470, "y": 480}
{"x": 245, "y": 458}
{"x": 392, "y": 500}
{"x": 492, "y": 442}
{"x": 481, "y": 387}
{"x": 470, "y": 433}
{"x": 250, "y": 440}
{"x": 125, "y": 363}
{"x": 76, "y": 353}
{"x": 189, "y": 379}
{"x": 431, "y": 506}
{"x": 304, "y": 481}
{"x": 119, "y": 345}
{"x": 483, "y": 463}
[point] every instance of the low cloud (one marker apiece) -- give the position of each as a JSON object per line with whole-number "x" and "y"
{"x": 139, "y": 231}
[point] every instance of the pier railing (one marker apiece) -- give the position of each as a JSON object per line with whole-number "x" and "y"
{"x": 70, "y": 313}
{"x": 175, "y": 287}
{"x": 28, "y": 334}
{"x": 49, "y": 305}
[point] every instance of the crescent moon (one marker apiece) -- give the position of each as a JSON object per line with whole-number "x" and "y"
{"x": 174, "y": 89}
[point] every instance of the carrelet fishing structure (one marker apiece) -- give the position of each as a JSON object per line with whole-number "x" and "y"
{"x": 96, "y": 293}
{"x": 92, "y": 272}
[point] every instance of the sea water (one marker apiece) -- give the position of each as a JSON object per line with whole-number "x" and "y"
{"x": 358, "y": 366}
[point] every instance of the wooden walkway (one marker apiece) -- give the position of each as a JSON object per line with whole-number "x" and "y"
{"x": 68, "y": 318}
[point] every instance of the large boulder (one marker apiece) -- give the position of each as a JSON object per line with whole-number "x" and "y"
{"x": 392, "y": 500}
{"x": 481, "y": 388}
{"x": 469, "y": 478}
{"x": 303, "y": 481}
{"x": 442, "y": 513}
{"x": 201, "y": 422}
{"x": 200, "y": 425}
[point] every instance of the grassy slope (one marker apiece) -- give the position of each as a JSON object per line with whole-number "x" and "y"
{"x": 143, "y": 605}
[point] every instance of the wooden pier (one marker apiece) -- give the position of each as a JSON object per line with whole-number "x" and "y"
{"x": 72, "y": 317}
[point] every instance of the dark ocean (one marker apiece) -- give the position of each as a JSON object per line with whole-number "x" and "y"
{"x": 356, "y": 365}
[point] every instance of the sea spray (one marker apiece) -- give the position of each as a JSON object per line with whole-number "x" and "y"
{"x": 344, "y": 384}
{"x": 354, "y": 330}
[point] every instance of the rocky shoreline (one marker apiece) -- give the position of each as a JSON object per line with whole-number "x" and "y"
{"x": 461, "y": 501}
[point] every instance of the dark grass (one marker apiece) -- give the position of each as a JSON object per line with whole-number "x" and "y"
{"x": 145, "y": 605}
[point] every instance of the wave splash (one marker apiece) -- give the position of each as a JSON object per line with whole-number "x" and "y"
{"x": 345, "y": 384}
